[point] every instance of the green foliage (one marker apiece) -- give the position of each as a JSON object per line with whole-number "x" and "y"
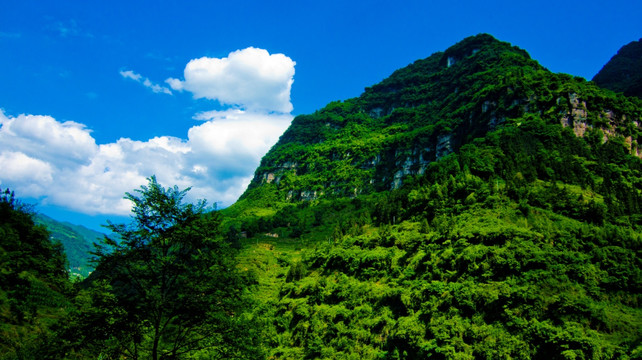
{"x": 427, "y": 110}
{"x": 492, "y": 283}
{"x": 623, "y": 73}
{"x": 167, "y": 288}
{"x": 512, "y": 229}
{"x": 33, "y": 281}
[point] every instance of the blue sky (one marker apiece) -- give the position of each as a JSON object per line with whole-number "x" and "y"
{"x": 96, "y": 96}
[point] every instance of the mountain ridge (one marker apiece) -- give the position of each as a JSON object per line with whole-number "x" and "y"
{"x": 431, "y": 99}
{"x": 473, "y": 205}
{"x": 76, "y": 240}
{"x": 623, "y": 72}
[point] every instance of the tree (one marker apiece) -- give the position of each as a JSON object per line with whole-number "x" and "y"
{"x": 173, "y": 275}
{"x": 33, "y": 280}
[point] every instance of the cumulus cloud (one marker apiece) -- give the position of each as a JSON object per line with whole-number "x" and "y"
{"x": 43, "y": 137}
{"x": 251, "y": 78}
{"x": 238, "y": 137}
{"x": 129, "y": 74}
{"x": 61, "y": 163}
{"x": 69, "y": 169}
{"x": 18, "y": 166}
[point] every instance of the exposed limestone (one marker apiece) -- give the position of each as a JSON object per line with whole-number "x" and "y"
{"x": 396, "y": 181}
{"x": 410, "y": 162}
{"x": 372, "y": 162}
{"x": 494, "y": 121}
{"x": 487, "y": 105}
{"x": 277, "y": 172}
{"x": 305, "y": 195}
{"x": 268, "y": 178}
{"x": 452, "y": 60}
{"x": 576, "y": 116}
{"x": 308, "y": 195}
{"x": 289, "y": 165}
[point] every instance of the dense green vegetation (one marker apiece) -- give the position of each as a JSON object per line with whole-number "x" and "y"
{"x": 33, "y": 281}
{"x": 473, "y": 205}
{"x": 423, "y": 112}
{"x": 623, "y": 73}
{"x": 166, "y": 286}
{"x": 477, "y": 266}
{"x": 77, "y": 242}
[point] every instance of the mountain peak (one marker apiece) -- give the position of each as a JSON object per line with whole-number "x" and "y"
{"x": 422, "y": 113}
{"x": 472, "y": 45}
{"x": 623, "y": 73}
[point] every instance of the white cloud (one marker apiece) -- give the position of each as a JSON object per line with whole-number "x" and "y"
{"x": 129, "y": 74}
{"x": 17, "y": 166}
{"x": 61, "y": 163}
{"x": 234, "y": 138}
{"x": 68, "y": 169}
{"x": 251, "y": 78}
{"x": 68, "y": 143}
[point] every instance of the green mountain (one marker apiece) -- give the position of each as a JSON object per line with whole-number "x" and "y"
{"x": 76, "y": 240}
{"x": 623, "y": 73}
{"x": 426, "y": 111}
{"x": 471, "y": 205}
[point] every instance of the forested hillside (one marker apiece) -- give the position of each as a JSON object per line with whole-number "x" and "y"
{"x": 77, "y": 242}
{"x": 471, "y": 205}
{"x": 623, "y": 73}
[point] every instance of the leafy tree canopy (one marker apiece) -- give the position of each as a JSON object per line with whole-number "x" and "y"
{"x": 165, "y": 287}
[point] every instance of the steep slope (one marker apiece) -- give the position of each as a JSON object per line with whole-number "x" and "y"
{"x": 472, "y": 205}
{"x": 422, "y": 113}
{"x": 76, "y": 240}
{"x": 623, "y": 73}
{"x": 33, "y": 281}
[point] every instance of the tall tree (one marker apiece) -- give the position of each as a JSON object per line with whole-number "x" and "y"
{"x": 173, "y": 276}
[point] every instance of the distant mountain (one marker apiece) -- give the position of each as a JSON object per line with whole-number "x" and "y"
{"x": 77, "y": 241}
{"x": 623, "y": 73}
{"x": 473, "y": 205}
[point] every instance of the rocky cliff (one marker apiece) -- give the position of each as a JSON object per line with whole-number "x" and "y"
{"x": 427, "y": 110}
